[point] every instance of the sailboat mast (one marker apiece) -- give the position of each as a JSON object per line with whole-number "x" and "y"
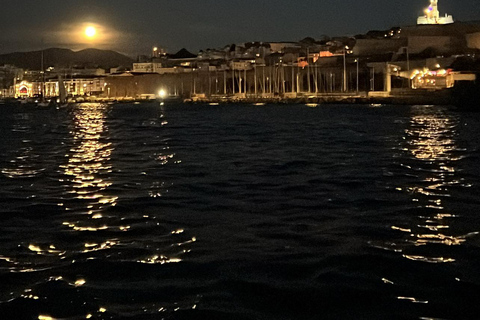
{"x": 43, "y": 76}
{"x": 42, "y": 71}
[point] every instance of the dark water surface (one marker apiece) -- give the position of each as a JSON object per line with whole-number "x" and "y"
{"x": 239, "y": 212}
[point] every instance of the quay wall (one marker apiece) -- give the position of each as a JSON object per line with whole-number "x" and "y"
{"x": 275, "y": 80}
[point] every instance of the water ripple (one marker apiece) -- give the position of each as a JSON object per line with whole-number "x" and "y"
{"x": 145, "y": 211}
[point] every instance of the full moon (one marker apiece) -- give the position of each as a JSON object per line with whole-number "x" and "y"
{"x": 90, "y": 32}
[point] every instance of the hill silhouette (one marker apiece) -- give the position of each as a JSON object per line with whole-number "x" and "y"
{"x": 66, "y": 58}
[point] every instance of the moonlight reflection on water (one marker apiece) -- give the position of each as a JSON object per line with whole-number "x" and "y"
{"x": 200, "y": 211}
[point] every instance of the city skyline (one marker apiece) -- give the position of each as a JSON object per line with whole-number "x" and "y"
{"x": 134, "y": 29}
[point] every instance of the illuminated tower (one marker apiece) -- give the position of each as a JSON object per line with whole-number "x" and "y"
{"x": 432, "y": 12}
{"x": 432, "y": 15}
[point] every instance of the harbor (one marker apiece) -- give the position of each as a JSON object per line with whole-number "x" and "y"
{"x": 301, "y": 160}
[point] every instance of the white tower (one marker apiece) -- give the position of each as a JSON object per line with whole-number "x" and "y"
{"x": 432, "y": 12}
{"x": 432, "y": 15}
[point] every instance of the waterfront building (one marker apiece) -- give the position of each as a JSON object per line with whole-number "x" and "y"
{"x": 28, "y": 89}
{"x": 432, "y": 15}
{"x": 77, "y": 86}
{"x": 438, "y": 79}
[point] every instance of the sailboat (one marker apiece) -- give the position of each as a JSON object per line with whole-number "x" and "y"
{"x": 62, "y": 94}
{"x": 42, "y": 103}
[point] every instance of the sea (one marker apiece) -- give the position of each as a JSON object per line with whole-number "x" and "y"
{"x": 237, "y": 211}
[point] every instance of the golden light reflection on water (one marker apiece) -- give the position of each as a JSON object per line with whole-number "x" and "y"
{"x": 88, "y": 174}
{"x": 156, "y": 259}
{"x": 51, "y": 250}
{"x": 431, "y": 137}
{"x": 412, "y": 300}
{"x": 91, "y": 247}
{"x": 90, "y": 155}
{"x": 88, "y": 169}
{"x": 431, "y": 143}
{"x": 94, "y": 229}
{"x": 79, "y": 282}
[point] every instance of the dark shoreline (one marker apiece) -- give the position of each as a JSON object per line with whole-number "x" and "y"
{"x": 418, "y": 98}
{"x": 444, "y": 98}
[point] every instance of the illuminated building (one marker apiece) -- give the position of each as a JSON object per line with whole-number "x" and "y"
{"x": 438, "y": 79}
{"x": 26, "y": 89}
{"x": 84, "y": 86}
{"x": 432, "y": 15}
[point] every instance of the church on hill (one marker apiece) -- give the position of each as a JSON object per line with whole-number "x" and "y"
{"x": 432, "y": 15}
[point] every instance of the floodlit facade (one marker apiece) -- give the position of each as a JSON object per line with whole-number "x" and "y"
{"x": 27, "y": 89}
{"x": 76, "y": 87}
{"x": 432, "y": 15}
{"x": 438, "y": 79}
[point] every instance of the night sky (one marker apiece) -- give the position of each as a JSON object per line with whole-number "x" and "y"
{"x": 134, "y": 26}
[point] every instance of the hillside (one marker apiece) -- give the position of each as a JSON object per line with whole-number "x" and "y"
{"x": 65, "y": 58}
